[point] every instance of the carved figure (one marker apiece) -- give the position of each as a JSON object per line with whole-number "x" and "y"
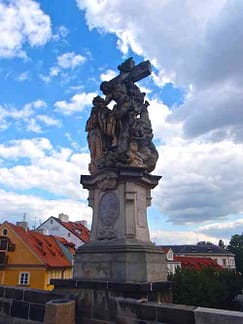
{"x": 135, "y": 157}
{"x": 122, "y": 136}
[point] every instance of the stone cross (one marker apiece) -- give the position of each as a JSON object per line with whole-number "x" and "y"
{"x": 131, "y": 72}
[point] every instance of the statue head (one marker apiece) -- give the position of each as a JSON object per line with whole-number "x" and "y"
{"x": 97, "y": 101}
{"x": 105, "y": 87}
{"x": 127, "y": 65}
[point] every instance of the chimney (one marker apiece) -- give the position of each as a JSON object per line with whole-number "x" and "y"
{"x": 23, "y": 224}
{"x": 84, "y": 223}
{"x": 63, "y": 217}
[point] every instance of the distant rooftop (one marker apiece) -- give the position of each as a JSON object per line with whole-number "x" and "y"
{"x": 205, "y": 248}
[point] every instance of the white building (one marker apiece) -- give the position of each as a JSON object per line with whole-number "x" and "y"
{"x": 75, "y": 232}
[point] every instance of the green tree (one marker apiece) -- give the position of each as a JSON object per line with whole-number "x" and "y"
{"x": 236, "y": 247}
{"x": 206, "y": 287}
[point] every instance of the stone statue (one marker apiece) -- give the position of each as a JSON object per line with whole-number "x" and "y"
{"x": 122, "y": 136}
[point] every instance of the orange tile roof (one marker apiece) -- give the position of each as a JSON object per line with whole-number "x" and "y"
{"x": 78, "y": 229}
{"x": 45, "y": 246}
{"x": 197, "y": 263}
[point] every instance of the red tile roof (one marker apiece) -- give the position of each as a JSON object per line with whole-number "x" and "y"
{"x": 197, "y": 263}
{"x": 45, "y": 246}
{"x": 78, "y": 229}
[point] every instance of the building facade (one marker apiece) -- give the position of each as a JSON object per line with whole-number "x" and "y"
{"x": 75, "y": 232}
{"x": 31, "y": 259}
{"x": 221, "y": 256}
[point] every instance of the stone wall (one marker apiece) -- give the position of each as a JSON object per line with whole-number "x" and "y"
{"x": 98, "y": 306}
{"x": 23, "y": 305}
{"x": 109, "y": 303}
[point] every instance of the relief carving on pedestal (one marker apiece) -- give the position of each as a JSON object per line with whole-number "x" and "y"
{"x": 107, "y": 181}
{"x": 109, "y": 211}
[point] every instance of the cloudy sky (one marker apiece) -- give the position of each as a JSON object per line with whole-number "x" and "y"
{"x": 53, "y": 57}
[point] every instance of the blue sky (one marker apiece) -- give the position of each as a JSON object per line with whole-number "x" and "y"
{"x": 53, "y": 57}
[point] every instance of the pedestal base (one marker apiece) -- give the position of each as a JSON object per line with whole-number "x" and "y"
{"x": 121, "y": 261}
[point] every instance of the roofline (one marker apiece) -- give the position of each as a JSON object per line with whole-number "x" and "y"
{"x": 45, "y": 221}
{"x": 31, "y": 250}
{"x": 61, "y": 223}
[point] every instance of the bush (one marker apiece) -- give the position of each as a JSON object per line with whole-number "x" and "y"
{"x": 206, "y": 287}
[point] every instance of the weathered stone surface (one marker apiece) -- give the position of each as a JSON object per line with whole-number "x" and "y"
{"x": 39, "y": 296}
{"x": 122, "y": 136}
{"x": 19, "y": 309}
{"x": 125, "y": 263}
{"x": 120, "y": 248}
{"x": 37, "y": 312}
{"x": 60, "y": 311}
{"x": 217, "y": 316}
{"x": 176, "y": 314}
{"x": 120, "y": 212}
{"x": 15, "y": 293}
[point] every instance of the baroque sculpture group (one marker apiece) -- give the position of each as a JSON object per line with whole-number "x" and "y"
{"x": 122, "y": 136}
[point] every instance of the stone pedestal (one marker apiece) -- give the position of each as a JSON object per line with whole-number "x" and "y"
{"x": 120, "y": 249}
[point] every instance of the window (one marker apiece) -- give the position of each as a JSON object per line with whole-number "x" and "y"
{"x": 69, "y": 234}
{"x": 224, "y": 261}
{"x": 5, "y": 231}
{"x": 24, "y": 278}
{"x": 3, "y": 244}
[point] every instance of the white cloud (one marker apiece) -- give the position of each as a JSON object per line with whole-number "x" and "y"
{"x": 38, "y": 209}
{"x": 223, "y": 229}
{"x": 56, "y": 171}
{"x": 65, "y": 61}
{"x": 76, "y": 104}
{"x": 108, "y": 75}
{"x": 28, "y": 117}
{"x": 194, "y": 44}
{"x": 23, "y": 77}
{"x": 198, "y": 46}
{"x": 48, "y": 120}
{"x": 62, "y": 32}
{"x": 201, "y": 181}
{"x": 22, "y": 22}
{"x": 180, "y": 237}
{"x": 70, "y": 60}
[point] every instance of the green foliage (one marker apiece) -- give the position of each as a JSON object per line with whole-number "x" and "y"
{"x": 236, "y": 247}
{"x": 206, "y": 287}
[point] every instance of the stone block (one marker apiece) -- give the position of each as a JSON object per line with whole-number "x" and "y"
{"x": 127, "y": 262}
{"x": 14, "y": 293}
{"x": 19, "y": 309}
{"x": 137, "y": 310}
{"x": 101, "y": 306}
{"x": 176, "y": 314}
{"x": 60, "y": 311}
{"x": 37, "y": 312}
{"x": 39, "y": 296}
{"x": 84, "y": 303}
{"x": 6, "y": 303}
{"x": 1, "y": 291}
{"x": 217, "y": 316}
